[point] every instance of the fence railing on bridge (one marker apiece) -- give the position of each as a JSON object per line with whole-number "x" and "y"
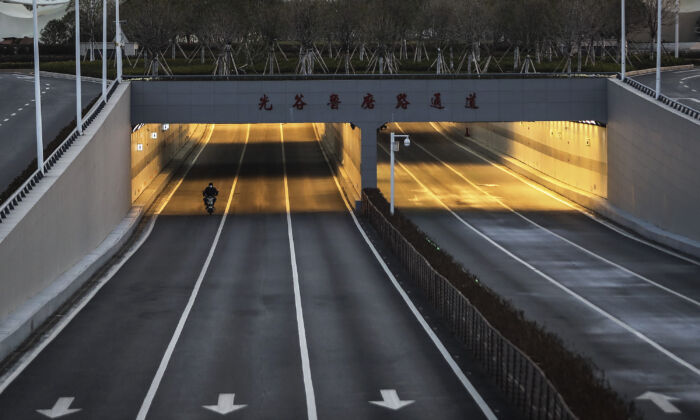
{"x": 523, "y": 382}
{"x": 663, "y": 98}
{"x": 49, "y": 162}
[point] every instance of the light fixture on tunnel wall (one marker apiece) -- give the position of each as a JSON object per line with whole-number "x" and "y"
{"x": 139, "y": 147}
{"x": 165, "y": 127}
{"x": 154, "y": 135}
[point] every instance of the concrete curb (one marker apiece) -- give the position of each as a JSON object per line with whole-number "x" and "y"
{"x": 653, "y": 70}
{"x": 70, "y": 77}
{"x": 22, "y": 322}
{"x": 596, "y": 204}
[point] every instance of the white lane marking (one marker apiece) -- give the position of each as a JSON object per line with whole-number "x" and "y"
{"x": 690, "y": 77}
{"x": 694, "y": 90}
{"x": 13, "y": 114}
{"x": 483, "y": 406}
{"x": 390, "y": 399}
{"x": 225, "y": 405}
{"x": 19, "y": 109}
{"x": 575, "y": 295}
{"x": 556, "y": 235}
{"x": 6, "y": 120}
{"x": 6, "y": 380}
{"x": 567, "y": 203}
{"x": 687, "y": 99}
{"x": 60, "y": 408}
{"x": 150, "y": 395}
{"x": 662, "y": 401}
{"x": 26, "y": 104}
{"x": 303, "y": 346}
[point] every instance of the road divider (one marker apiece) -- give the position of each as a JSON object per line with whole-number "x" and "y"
{"x": 532, "y": 366}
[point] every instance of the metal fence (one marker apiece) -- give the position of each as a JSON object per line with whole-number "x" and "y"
{"x": 665, "y": 99}
{"x": 21, "y": 193}
{"x": 522, "y": 381}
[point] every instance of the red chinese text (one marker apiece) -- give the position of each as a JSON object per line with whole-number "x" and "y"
{"x": 401, "y": 101}
{"x": 334, "y": 101}
{"x": 471, "y": 101}
{"x": 436, "y": 101}
{"x": 298, "y": 102}
{"x": 368, "y": 101}
{"x": 265, "y": 103}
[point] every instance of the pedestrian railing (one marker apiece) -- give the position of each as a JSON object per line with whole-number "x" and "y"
{"x": 523, "y": 382}
{"x": 663, "y": 98}
{"x": 49, "y": 162}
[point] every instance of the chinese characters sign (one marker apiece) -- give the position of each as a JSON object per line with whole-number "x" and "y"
{"x": 368, "y": 101}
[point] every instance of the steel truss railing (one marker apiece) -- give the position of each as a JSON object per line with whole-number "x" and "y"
{"x": 523, "y": 382}
{"x": 49, "y": 162}
{"x": 662, "y": 98}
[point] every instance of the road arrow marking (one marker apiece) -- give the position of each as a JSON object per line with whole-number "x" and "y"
{"x": 60, "y": 409}
{"x": 662, "y": 401}
{"x": 225, "y": 405}
{"x": 391, "y": 400}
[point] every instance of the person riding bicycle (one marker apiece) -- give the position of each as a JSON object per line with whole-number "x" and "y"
{"x": 210, "y": 191}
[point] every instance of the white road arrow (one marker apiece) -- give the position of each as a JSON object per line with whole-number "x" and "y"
{"x": 225, "y": 405}
{"x": 662, "y": 401}
{"x": 391, "y": 400}
{"x": 60, "y": 409}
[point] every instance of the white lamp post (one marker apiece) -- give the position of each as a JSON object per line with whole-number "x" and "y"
{"x": 104, "y": 50}
{"x": 678, "y": 11}
{"x": 118, "y": 41}
{"x": 37, "y": 93}
{"x": 623, "y": 43}
{"x": 394, "y": 146}
{"x": 78, "y": 86}
{"x": 658, "y": 49}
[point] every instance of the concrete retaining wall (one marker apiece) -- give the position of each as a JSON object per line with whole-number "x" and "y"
{"x": 343, "y": 144}
{"x": 72, "y": 210}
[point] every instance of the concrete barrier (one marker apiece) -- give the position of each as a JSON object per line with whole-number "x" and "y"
{"x": 68, "y": 215}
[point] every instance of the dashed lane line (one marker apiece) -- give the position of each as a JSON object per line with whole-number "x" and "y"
{"x": 466, "y": 383}
{"x": 553, "y": 281}
{"x": 301, "y": 328}
{"x": 150, "y": 395}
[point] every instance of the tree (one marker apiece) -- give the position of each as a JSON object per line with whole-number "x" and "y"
{"x": 57, "y": 32}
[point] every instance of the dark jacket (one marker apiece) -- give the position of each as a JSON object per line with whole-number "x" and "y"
{"x": 210, "y": 191}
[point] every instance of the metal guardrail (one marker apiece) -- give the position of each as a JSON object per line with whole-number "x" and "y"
{"x": 662, "y": 98}
{"x": 365, "y": 76}
{"x": 523, "y": 382}
{"x": 13, "y": 201}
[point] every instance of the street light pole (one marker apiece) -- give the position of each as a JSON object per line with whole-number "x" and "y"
{"x": 623, "y": 44}
{"x": 658, "y": 49}
{"x": 78, "y": 86}
{"x": 118, "y": 42}
{"x": 678, "y": 11}
{"x": 104, "y": 50}
{"x": 394, "y": 146}
{"x": 37, "y": 93}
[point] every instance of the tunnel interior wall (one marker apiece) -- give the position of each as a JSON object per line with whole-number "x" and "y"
{"x": 149, "y": 156}
{"x": 343, "y": 145}
{"x": 72, "y": 210}
{"x": 570, "y": 152}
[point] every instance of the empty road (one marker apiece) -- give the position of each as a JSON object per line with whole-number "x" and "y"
{"x": 681, "y": 85}
{"x": 17, "y": 119}
{"x": 275, "y": 307}
{"x": 631, "y": 308}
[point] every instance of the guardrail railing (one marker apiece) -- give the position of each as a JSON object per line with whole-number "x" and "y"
{"x": 523, "y": 382}
{"x": 49, "y": 162}
{"x": 662, "y": 98}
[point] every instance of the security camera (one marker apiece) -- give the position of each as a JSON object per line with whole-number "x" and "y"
{"x": 407, "y": 142}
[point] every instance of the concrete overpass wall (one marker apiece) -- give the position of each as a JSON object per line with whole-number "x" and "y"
{"x": 343, "y": 145}
{"x": 654, "y": 175}
{"x": 72, "y": 210}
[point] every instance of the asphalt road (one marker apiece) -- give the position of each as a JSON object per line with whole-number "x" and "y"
{"x": 631, "y": 308}
{"x": 17, "y": 119}
{"x": 279, "y": 310}
{"x": 681, "y": 85}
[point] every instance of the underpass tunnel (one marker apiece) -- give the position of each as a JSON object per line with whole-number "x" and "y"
{"x": 250, "y": 155}
{"x": 470, "y": 166}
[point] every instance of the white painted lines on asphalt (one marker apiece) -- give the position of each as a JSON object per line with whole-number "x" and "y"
{"x": 690, "y": 77}
{"x": 6, "y": 120}
{"x": 29, "y": 357}
{"x": 662, "y": 401}
{"x": 303, "y": 346}
{"x": 390, "y": 399}
{"x": 150, "y": 395}
{"x": 13, "y": 114}
{"x": 554, "y": 282}
{"x": 466, "y": 383}
{"x": 60, "y": 408}
{"x": 225, "y": 405}
{"x": 556, "y": 235}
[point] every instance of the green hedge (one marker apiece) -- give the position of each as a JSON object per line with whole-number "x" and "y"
{"x": 587, "y": 394}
